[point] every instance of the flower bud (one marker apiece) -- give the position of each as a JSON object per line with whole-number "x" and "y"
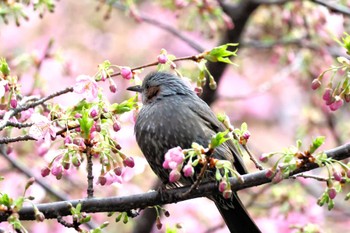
{"x": 337, "y": 175}
{"x": 116, "y": 126}
{"x": 332, "y": 193}
{"x": 129, "y": 162}
{"x": 13, "y": 102}
{"x": 68, "y": 140}
{"x": 126, "y": 72}
{"x": 315, "y": 84}
{"x": 222, "y": 186}
{"x": 45, "y": 171}
{"x": 102, "y": 180}
{"x": 118, "y": 171}
{"x": 227, "y": 194}
{"x": 336, "y": 104}
{"x": 174, "y": 176}
{"x": 93, "y": 113}
{"x": 113, "y": 88}
{"x": 162, "y": 58}
{"x": 188, "y": 170}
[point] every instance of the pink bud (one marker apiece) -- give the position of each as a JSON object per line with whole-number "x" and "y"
{"x": 347, "y": 98}
{"x": 337, "y": 175}
{"x": 76, "y": 161}
{"x": 13, "y": 103}
{"x": 116, "y": 126}
{"x": 126, "y": 72}
{"x": 7, "y": 87}
{"x": 118, "y": 171}
{"x": 162, "y": 58}
{"x": 337, "y": 104}
{"x": 45, "y": 171}
{"x": 78, "y": 115}
{"x": 67, "y": 140}
{"x": 315, "y": 84}
{"x": 269, "y": 173}
{"x": 327, "y": 95}
{"x": 166, "y": 164}
{"x": 93, "y": 113}
{"x": 129, "y": 162}
{"x": 57, "y": 171}
{"x": 227, "y": 194}
{"x": 332, "y": 193}
{"x": 113, "y": 88}
{"x": 174, "y": 176}
{"x": 198, "y": 90}
{"x": 222, "y": 186}
{"x": 102, "y": 180}
{"x": 246, "y": 135}
{"x": 264, "y": 158}
{"x": 66, "y": 165}
{"x": 188, "y": 170}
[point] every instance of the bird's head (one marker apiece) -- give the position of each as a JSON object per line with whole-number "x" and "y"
{"x": 160, "y": 84}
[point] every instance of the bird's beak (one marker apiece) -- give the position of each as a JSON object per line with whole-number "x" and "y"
{"x": 136, "y": 88}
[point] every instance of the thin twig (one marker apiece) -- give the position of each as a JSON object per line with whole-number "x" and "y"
{"x": 198, "y": 180}
{"x": 90, "y": 176}
{"x": 308, "y": 176}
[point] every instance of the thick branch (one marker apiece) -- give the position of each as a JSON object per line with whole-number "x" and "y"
{"x": 120, "y": 204}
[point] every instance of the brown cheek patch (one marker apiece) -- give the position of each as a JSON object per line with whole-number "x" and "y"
{"x": 152, "y": 92}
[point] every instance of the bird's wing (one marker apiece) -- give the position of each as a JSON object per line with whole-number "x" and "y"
{"x": 213, "y": 126}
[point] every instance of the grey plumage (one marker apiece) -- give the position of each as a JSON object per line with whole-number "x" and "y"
{"x": 173, "y": 115}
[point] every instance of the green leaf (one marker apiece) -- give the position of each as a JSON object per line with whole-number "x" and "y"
{"x": 4, "y": 68}
{"x": 18, "y": 203}
{"x": 6, "y": 200}
{"x": 219, "y": 138}
{"x": 85, "y": 123}
{"x": 244, "y": 127}
{"x": 316, "y": 143}
{"x": 221, "y": 53}
{"x": 124, "y": 106}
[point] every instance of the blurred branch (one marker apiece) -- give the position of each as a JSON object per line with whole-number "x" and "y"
{"x": 240, "y": 15}
{"x": 333, "y": 7}
{"x": 141, "y": 201}
{"x": 172, "y": 30}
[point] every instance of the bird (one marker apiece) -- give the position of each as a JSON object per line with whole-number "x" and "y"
{"x": 172, "y": 115}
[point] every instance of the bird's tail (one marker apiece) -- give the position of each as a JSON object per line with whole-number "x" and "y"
{"x": 235, "y": 215}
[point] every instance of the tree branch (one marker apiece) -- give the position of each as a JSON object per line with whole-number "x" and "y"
{"x": 141, "y": 201}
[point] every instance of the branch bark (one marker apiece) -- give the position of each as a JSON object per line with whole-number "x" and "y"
{"x": 141, "y": 201}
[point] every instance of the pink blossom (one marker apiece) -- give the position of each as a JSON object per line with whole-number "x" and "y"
{"x": 25, "y": 115}
{"x": 173, "y": 158}
{"x": 42, "y": 128}
{"x": 126, "y": 72}
{"x": 87, "y": 87}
